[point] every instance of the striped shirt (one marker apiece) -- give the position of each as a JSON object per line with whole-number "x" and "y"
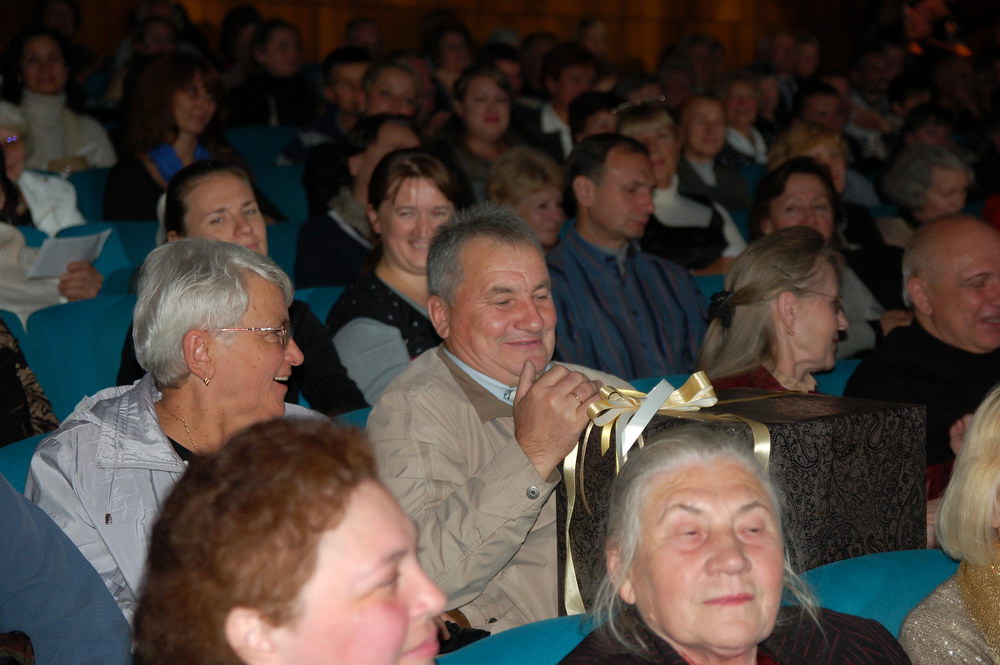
{"x": 645, "y": 320}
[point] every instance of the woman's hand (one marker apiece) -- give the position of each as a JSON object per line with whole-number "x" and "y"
{"x": 80, "y": 281}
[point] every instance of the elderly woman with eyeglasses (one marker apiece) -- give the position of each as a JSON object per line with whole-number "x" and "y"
{"x": 697, "y": 569}
{"x": 212, "y": 329}
{"x": 779, "y": 319}
{"x": 801, "y": 192}
{"x": 215, "y": 200}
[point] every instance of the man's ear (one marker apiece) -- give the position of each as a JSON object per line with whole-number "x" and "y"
{"x": 197, "y": 355}
{"x": 173, "y": 235}
{"x": 249, "y": 636}
{"x": 437, "y": 310}
{"x": 626, "y": 591}
{"x": 766, "y": 226}
{"x": 919, "y": 295}
{"x": 583, "y": 190}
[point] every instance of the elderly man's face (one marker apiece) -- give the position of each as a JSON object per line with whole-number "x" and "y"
{"x": 957, "y": 298}
{"x": 708, "y": 574}
{"x": 502, "y": 312}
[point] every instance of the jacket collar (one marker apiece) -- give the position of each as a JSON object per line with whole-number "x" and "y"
{"x": 487, "y": 406}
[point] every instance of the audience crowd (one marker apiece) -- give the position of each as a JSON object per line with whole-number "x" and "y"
{"x": 508, "y": 226}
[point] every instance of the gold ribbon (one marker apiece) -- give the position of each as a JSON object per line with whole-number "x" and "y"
{"x": 627, "y": 412}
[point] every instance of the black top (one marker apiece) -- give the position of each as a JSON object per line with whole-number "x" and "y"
{"x": 912, "y": 366}
{"x": 250, "y": 103}
{"x": 326, "y": 255}
{"x": 371, "y": 298}
{"x": 694, "y": 247}
{"x": 321, "y": 378}
{"x": 131, "y": 192}
{"x": 840, "y": 639}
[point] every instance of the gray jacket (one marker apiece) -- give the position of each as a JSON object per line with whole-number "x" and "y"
{"x": 103, "y": 477}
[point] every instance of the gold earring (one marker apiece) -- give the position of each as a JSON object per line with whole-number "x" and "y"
{"x": 206, "y": 380}
{"x": 791, "y": 333}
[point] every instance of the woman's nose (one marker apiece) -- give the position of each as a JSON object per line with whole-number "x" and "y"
{"x": 728, "y": 556}
{"x": 293, "y": 354}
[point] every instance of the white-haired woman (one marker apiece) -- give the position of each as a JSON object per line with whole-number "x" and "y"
{"x": 926, "y": 182}
{"x": 957, "y": 623}
{"x": 697, "y": 569}
{"x": 211, "y": 326}
{"x": 779, "y": 319}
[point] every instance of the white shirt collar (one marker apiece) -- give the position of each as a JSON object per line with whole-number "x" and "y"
{"x": 551, "y": 122}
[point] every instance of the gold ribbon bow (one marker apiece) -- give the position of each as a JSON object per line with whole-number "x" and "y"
{"x": 627, "y": 412}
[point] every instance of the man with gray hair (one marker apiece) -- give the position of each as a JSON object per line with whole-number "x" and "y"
{"x": 470, "y": 436}
{"x": 950, "y": 356}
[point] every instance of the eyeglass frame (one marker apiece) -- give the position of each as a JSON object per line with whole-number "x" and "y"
{"x": 284, "y": 332}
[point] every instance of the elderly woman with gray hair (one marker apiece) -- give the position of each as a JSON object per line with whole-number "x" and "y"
{"x": 212, "y": 328}
{"x": 697, "y": 569}
{"x": 926, "y": 182}
{"x": 779, "y": 318}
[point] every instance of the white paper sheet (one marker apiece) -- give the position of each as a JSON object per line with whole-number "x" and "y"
{"x": 57, "y": 253}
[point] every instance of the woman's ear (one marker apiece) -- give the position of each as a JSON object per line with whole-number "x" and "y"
{"x": 786, "y": 310}
{"x": 249, "y": 636}
{"x": 626, "y": 591}
{"x": 197, "y": 354}
{"x": 373, "y": 219}
{"x": 766, "y": 225}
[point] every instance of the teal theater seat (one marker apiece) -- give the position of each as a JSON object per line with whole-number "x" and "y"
{"x": 114, "y": 262}
{"x": 710, "y": 284}
{"x": 76, "y": 347}
{"x": 884, "y": 586}
{"x": 32, "y": 236}
{"x": 320, "y": 299}
{"x": 835, "y": 380}
{"x": 282, "y": 239}
{"x": 15, "y": 459}
{"x": 282, "y": 185}
{"x": 13, "y": 323}
{"x": 90, "y": 185}
{"x": 357, "y": 418}
{"x": 260, "y": 145}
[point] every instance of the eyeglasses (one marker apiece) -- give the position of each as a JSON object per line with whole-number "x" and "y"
{"x": 284, "y": 332}
{"x": 837, "y": 301}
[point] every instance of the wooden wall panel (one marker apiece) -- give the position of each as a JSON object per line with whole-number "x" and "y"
{"x": 637, "y": 28}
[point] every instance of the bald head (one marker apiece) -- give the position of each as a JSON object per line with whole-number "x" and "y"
{"x": 951, "y": 272}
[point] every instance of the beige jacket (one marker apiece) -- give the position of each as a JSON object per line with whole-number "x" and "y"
{"x": 445, "y": 447}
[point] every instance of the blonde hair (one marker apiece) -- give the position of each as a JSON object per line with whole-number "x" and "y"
{"x": 799, "y": 139}
{"x": 785, "y": 260}
{"x": 965, "y": 518}
{"x": 519, "y": 173}
{"x": 634, "y": 119}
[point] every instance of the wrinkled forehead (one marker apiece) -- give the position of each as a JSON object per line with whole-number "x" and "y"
{"x": 715, "y": 487}
{"x": 488, "y": 263}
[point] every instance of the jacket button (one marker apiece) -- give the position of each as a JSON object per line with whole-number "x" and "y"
{"x": 533, "y": 492}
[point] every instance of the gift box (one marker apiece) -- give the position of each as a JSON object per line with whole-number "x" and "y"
{"x": 851, "y": 474}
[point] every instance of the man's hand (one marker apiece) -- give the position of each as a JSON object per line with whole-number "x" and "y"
{"x": 895, "y": 318}
{"x": 80, "y": 281}
{"x": 956, "y": 433}
{"x": 550, "y": 412}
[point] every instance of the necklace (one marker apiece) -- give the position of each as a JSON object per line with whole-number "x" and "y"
{"x": 182, "y": 422}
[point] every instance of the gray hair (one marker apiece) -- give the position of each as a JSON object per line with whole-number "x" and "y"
{"x": 192, "y": 284}
{"x": 910, "y": 176}
{"x": 666, "y": 453}
{"x": 784, "y": 260}
{"x": 484, "y": 220}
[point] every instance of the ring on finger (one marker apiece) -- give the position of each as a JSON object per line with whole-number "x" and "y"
{"x": 578, "y": 398}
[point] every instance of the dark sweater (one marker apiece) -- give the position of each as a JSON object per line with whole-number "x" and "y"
{"x": 841, "y": 639}
{"x": 912, "y": 366}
